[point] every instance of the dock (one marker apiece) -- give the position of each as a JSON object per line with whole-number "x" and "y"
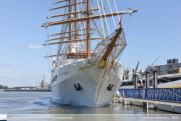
{"x": 153, "y": 104}
{"x": 168, "y": 99}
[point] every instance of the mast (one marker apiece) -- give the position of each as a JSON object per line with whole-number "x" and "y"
{"x": 112, "y": 44}
{"x": 70, "y": 41}
{"x": 70, "y": 26}
{"x": 74, "y": 12}
{"x": 76, "y": 23}
{"x": 88, "y": 29}
{"x": 60, "y": 1}
{"x": 67, "y": 37}
{"x": 103, "y": 62}
{"x": 52, "y": 23}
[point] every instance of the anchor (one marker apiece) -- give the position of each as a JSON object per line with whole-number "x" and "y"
{"x": 110, "y": 87}
{"x": 77, "y": 87}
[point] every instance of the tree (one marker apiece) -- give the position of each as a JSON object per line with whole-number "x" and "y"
{"x": 5, "y": 87}
{"x": 1, "y": 86}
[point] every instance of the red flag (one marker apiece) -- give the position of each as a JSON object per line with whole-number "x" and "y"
{"x": 121, "y": 21}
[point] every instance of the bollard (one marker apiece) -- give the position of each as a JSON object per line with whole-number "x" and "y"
{"x": 155, "y": 78}
{"x": 135, "y": 81}
{"x": 145, "y": 105}
{"x": 147, "y": 82}
{"x": 133, "y": 77}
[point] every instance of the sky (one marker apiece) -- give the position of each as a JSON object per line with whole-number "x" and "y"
{"x": 153, "y": 31}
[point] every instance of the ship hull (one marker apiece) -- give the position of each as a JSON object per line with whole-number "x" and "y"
{"x": 82, "y": 84}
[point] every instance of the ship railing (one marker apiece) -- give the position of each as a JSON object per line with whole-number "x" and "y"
{"x": 74, "y": 61}
{"x": 119, "y": 62}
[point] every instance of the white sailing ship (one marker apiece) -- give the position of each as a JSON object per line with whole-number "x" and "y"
{"x": 81, "y": 76}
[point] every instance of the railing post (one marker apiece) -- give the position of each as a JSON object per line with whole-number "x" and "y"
{"x": 171, "y": 95}
{"x": 144, "y": 94}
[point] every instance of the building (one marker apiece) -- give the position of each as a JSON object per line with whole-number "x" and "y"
{"x": 168, "y": 72}
{"x": 24, "y": 88}
{"x": 38, "y": 83}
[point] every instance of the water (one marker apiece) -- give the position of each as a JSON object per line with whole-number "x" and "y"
{"x": 40, "y": 103}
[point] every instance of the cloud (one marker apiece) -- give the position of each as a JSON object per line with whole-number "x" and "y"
{"x": 13, "y": 64}
{"x": 16, "y": 75}
{"x": 35, "y": 46}
{"x": 30, "y": 46}
{"x": 1, "y": 49}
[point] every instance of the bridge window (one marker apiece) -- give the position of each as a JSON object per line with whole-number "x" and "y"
{"x": 74, "y": 57}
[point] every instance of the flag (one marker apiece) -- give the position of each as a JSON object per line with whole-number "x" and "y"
{"x": 121, "y": 21}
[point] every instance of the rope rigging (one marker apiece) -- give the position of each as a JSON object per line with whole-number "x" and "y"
{"x": 106, "y": 27}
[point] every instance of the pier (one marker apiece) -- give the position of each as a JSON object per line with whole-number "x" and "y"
{"x": 167, "y": 99}
{"x": 151, "y": 104}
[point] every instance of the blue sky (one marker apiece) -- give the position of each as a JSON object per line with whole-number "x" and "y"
{"x": 154, "y": 31}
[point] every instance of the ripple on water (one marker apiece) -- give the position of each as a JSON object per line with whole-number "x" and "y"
{"x": 46, "y": 101}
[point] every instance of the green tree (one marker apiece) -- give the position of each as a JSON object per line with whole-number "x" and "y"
{"x": 1, "y": 86}
{"x": 5, "y": 87}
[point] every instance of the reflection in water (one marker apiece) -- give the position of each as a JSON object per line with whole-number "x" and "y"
{"x": 40, "y": 103}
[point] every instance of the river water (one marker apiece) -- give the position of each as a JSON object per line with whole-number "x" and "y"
{"x": 40, "y": 103}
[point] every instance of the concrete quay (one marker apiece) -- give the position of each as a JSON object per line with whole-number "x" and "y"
{"x": 151, "y": 104}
